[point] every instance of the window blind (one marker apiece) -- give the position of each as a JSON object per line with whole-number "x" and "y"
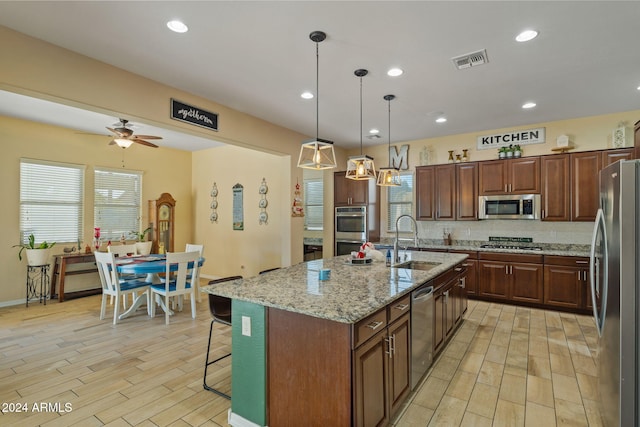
{"x": 51, "y": 201}
{"x": 313, "y": 203}
{"x": 400, "y": 202}
{"x": 117, "y": 202}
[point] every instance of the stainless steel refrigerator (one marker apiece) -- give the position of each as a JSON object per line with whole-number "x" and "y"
{"x": 614, "y": 274}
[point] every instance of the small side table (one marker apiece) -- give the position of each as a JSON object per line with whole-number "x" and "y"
{"x": 38, "y": 274}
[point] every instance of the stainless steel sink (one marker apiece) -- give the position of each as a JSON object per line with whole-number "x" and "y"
{"x": 418, "y": 265}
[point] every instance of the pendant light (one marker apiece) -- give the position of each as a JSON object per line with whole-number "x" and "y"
{"x": 389, "y": 177}
{"x": 317, "y": 153}
{"x": 361, "y": 167}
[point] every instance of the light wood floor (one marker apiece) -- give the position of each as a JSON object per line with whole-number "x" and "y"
{"x": 507, "y": 366}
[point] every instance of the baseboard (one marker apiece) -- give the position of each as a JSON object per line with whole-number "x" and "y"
{"x": 236, "y": 420}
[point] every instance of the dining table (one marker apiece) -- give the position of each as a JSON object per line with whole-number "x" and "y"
{"x": 153, "y": 266}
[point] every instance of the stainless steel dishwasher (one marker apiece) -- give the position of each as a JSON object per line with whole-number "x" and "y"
{"x": 421, "y": 332}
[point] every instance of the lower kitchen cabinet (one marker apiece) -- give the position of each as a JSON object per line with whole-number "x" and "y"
{"x": 382, "y": 373}
{"x": 471, "y": 263}
{"x": 450, "y": 299}
{"x": 566, "y": 282}
{"x": 511, "y": 277}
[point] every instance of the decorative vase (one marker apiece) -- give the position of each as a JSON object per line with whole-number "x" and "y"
{"x": 509, "y": 154}
{"x": 143, "y": 248}
{"x": 465, "y": 156}
{"x": 37, "y": 256}
{"x": 502, "y": 155}
{"x": 517, "y": 154}
{"x": 451, "y": 156}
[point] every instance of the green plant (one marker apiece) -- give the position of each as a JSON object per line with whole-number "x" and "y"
{"x": 517, "y": 148}
{"x": 140, "y": 235}
{"x": 32, "y": 245}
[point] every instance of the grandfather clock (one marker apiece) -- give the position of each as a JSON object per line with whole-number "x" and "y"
{"x": 162, "y": 219}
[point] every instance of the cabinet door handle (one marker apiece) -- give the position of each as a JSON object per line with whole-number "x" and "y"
{"x": 458, "y": 268}
{"x": 506, "y": 188}
{"x": 582, "y": 262}
{"x": 463, "y": 282}
{"x": 375, "y": 325}
{"x": 401, "y": 307}
{"x": 389, "y": 347}
{"x": 543, "y": 215}
{"x": 579, "y": 275}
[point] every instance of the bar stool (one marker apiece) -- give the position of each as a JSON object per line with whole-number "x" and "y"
{"x": 220, "y": 308}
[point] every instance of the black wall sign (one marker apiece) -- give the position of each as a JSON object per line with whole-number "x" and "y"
{"x": 195, "y": 116}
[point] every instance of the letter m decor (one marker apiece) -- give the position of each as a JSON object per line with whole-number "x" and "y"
{"x": 195, "y": 116}
{"x": 399, "y": 160}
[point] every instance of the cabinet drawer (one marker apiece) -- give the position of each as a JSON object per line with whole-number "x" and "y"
{"x": 399, "y": 307}
{"x": 504, "y": 257}
{"x": 368, "y": 327}
{"x": 572, "y": 261}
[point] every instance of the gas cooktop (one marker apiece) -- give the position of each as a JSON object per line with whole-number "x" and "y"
{"x": 524, "y": 248}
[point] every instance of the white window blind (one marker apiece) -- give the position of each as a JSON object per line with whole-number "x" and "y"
{"x": 51, "y": 201}
{"x": 117, "y": 201}
{"x": 313, "y": 203}
{"x": 400, "y": 202}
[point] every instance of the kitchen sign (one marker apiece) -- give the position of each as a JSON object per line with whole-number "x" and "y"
{"x": 520, "y": 137}
{"x": 195, "y": 116}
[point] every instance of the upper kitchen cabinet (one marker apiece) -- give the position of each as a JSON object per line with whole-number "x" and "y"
{"x": 467, "y": 191}
{"x": 436, "y": 192}
{"x": 349, "y": 192}
{"x": 425, "y": 193}
{"x": 556, "y": 188}
{"x": 513, "y": 176}
{"x": 612, "y": 156}
{"x": 584, "y": 185}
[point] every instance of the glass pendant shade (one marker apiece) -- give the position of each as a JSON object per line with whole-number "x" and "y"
{"x": 317, "y": 154}
{"x": 123, "y": 143}
{"x": 389, "y": 177}
{"x": 360, "y": 168}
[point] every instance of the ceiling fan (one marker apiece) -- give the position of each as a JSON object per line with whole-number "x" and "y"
{"x": 125, "y": 137}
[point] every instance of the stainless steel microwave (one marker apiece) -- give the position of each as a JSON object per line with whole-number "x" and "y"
{"x": 510, "y": 206}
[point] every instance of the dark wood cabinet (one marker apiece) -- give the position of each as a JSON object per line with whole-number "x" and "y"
{"x": 513, "y": 176}
{"x": 556, "y": 188}
{"x": 612, "y": 156}
{"x": 382, "y": 372}
{"x": 436, "y": 192}
{"x": 566, "y": 282}
{"x": 450, "y": 302}
{"x": 347, "y": 192}
{"x": 425, "y": 193}
{"x": 511, "y": 277}
{"x": 445, "y": 197}
{"x": 471, "y": 275}
{"x": 467, "y": 191}
{"x": 584, "y": 185}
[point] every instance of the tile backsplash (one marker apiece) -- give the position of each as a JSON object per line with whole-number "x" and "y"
{"x": 541, "y": 232}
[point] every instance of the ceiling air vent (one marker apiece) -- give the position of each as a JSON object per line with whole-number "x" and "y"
{"x": 471, "y": 59}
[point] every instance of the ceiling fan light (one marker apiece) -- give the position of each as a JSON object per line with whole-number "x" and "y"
{"x": 389, "y": 177}
{"x": 123, "y": 143}
{"x": 317, "y": 154}
{"x": 360, "y": 168}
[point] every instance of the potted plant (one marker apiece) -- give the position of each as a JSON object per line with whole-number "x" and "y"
{"x": 517, "y": 151}
{"x": 509, "y": 151}
{"x": 143, "y": 247}
{"x": 37, "y": 254}
{"x": 502, "y": 152}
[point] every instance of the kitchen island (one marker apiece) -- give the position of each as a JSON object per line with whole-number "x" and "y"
{"x": 300, "y": 345}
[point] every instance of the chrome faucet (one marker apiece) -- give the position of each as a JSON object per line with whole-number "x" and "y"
{"x": 396, "y": 245}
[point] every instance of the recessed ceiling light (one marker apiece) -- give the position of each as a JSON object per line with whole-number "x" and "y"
{"x": 177, "y": 26}
{"x": 306, "y": 95}
{"x": 441, "y": 120}
{"x": 394, "y": 72}
{"x": 528, "y": 105}
{"x": 526, "y": 35}
{"x": 638, "y": 87}
{"x": 374, "y": 131}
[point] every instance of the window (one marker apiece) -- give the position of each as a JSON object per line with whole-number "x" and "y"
{"x": 51, "y": 201}
{"x": 117, "y": 200}
{"x": 400, "y": 202}
{"x": 313, "y": 203}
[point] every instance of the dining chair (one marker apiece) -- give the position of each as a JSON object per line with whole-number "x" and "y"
{"x": 190, "y": 247}
{"x": 114, "y": 287}
{"x": 220, "y": 308}
{"x": 177, "y": 283}
{"x": 125, "y": 250}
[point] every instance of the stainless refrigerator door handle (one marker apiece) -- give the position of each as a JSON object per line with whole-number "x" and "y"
{"x": 593, "y": 266}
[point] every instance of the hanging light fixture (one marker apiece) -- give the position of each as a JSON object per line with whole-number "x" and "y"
{"x": 317, "y": 153}
{"x": 361, "y": 167}
{"x": 389, "y": 177}
{"x": 123, "y": 142}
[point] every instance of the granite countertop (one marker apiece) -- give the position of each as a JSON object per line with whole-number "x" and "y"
{"x": 472, "y": 245}
{"x": 352, "y": 293}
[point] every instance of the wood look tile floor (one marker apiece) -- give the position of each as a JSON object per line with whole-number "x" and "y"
{"x": 506, "y": 366}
